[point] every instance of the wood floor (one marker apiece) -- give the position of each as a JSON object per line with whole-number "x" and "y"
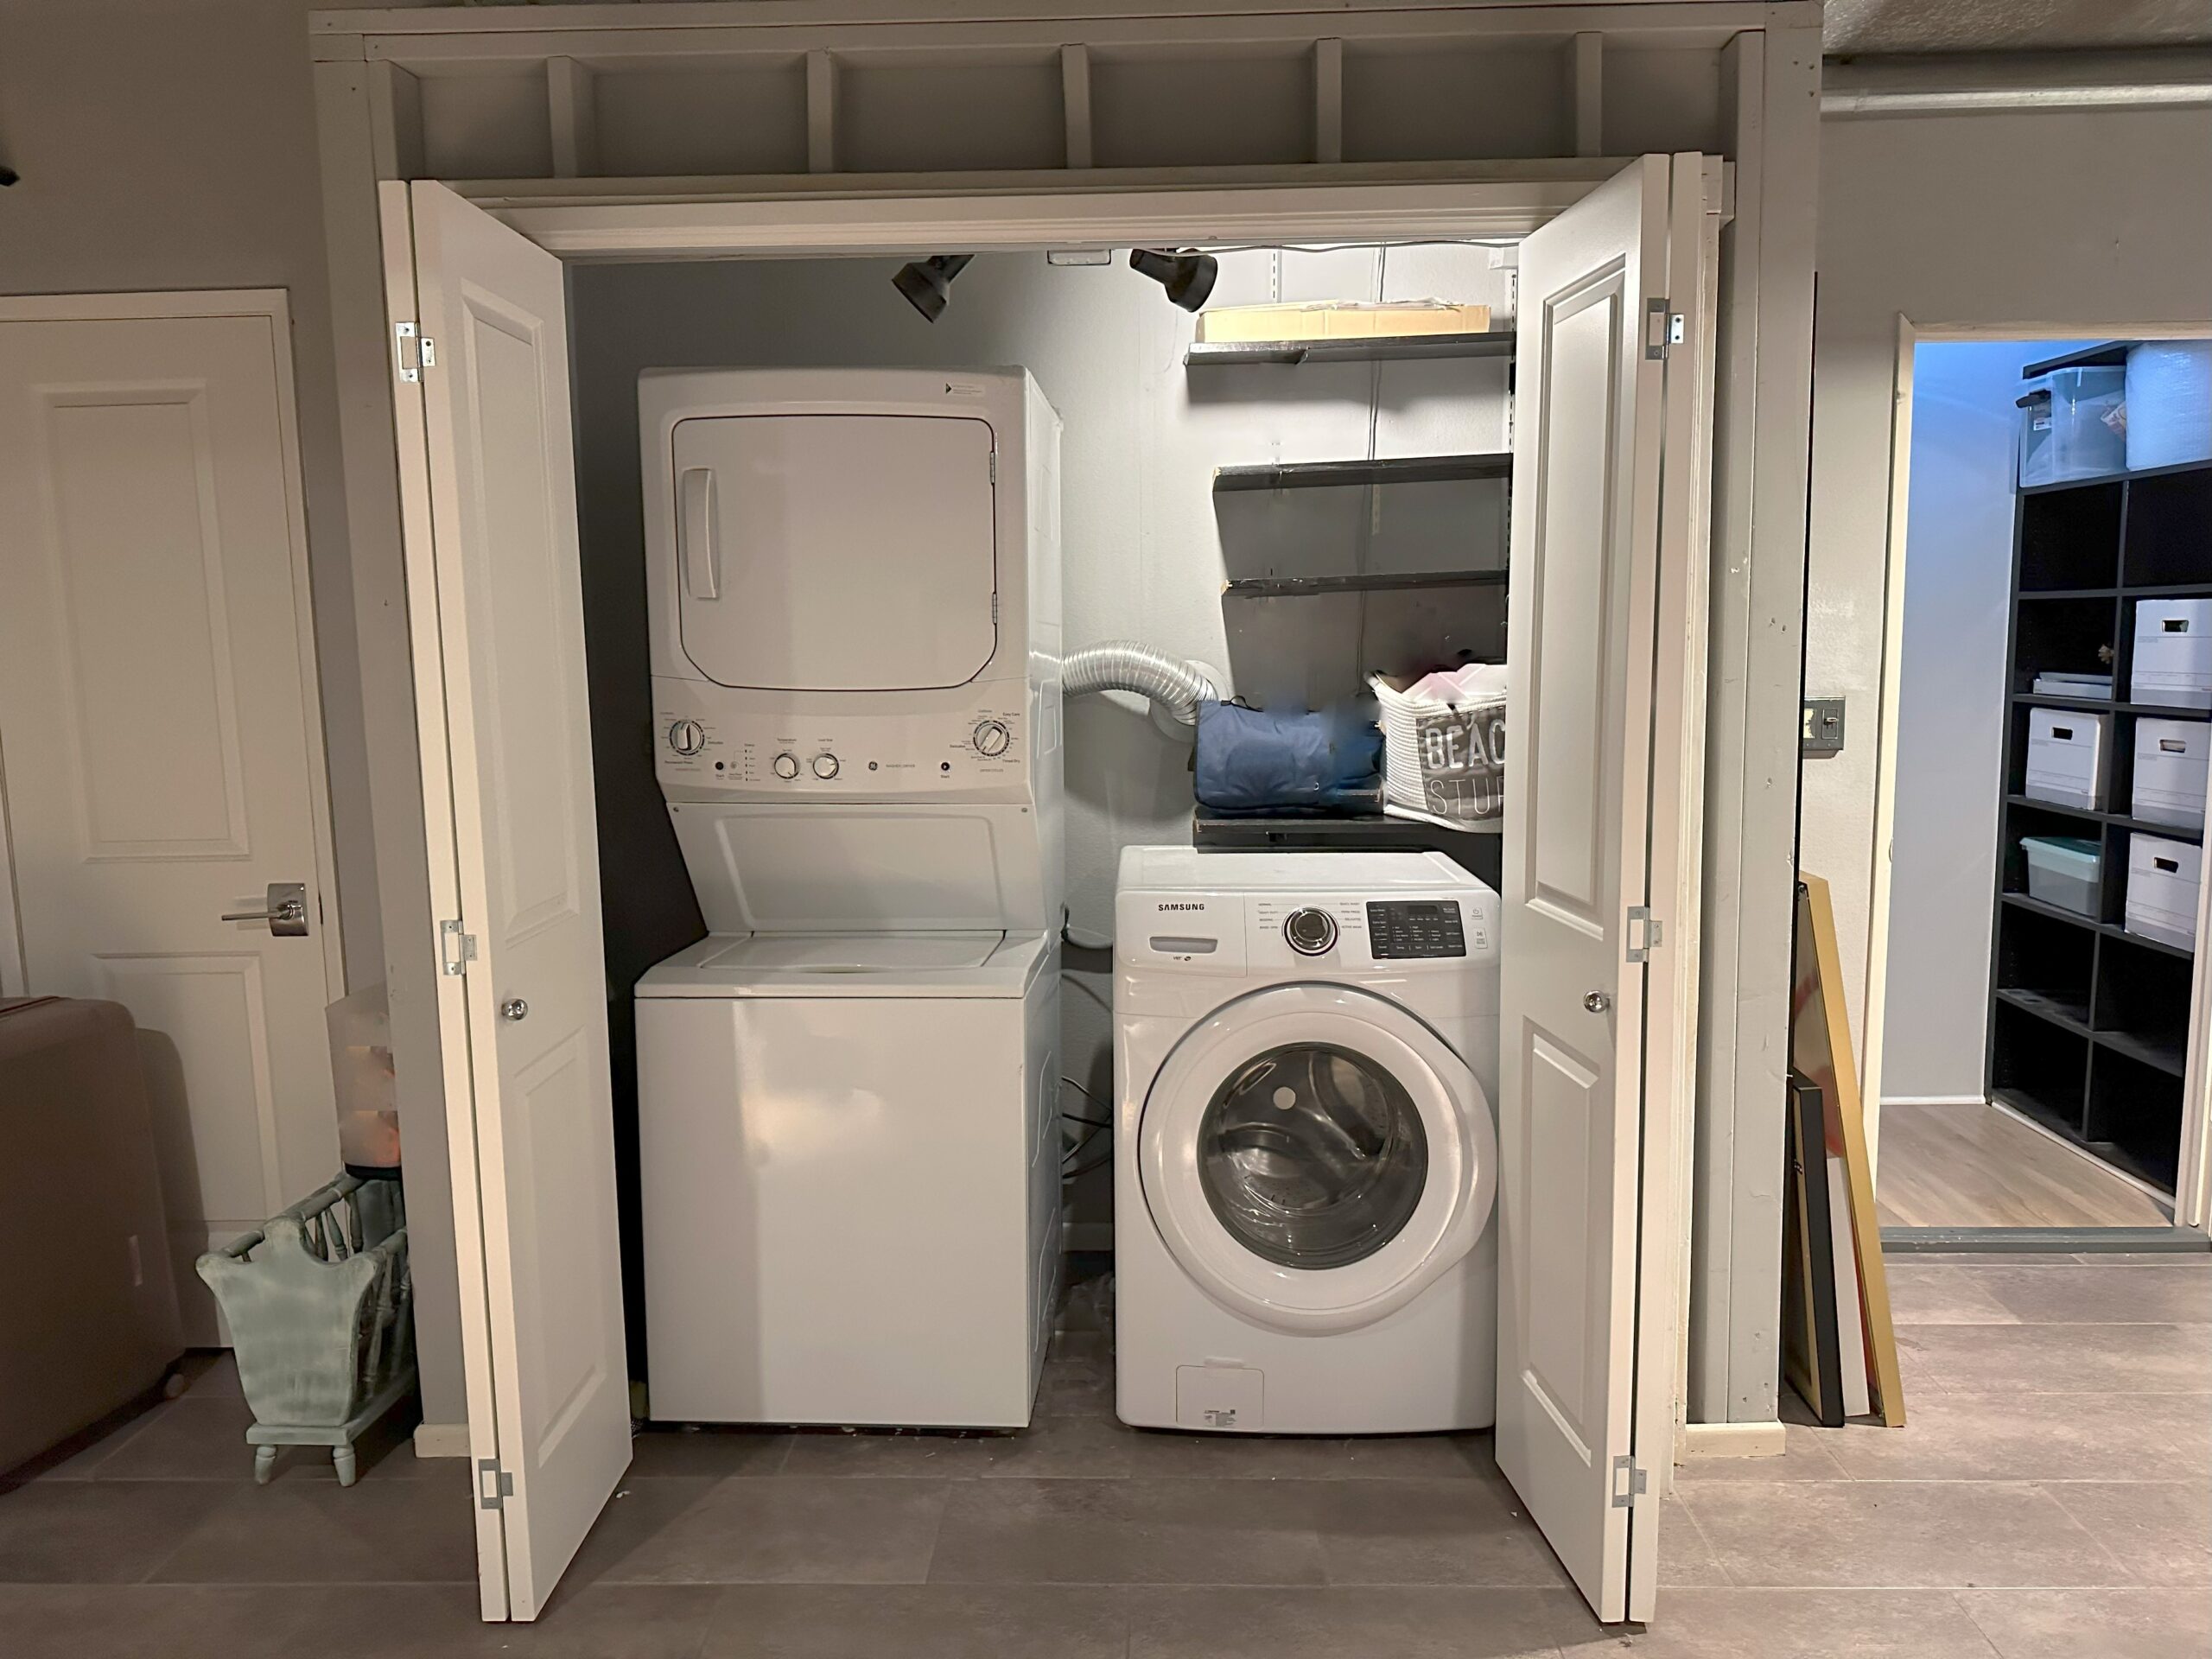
{"x": 1978, "y": 1167}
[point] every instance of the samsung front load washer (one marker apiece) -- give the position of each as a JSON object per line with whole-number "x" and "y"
{"x": 1305, "y": 1146}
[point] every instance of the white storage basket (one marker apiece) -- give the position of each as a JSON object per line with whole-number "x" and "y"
{"x": 1443, "y": 747}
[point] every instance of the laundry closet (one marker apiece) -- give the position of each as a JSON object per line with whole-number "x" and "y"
{"x": 1283, "y": 526}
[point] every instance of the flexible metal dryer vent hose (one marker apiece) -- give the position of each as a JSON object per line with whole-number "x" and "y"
{"x": 1121, "y": 665}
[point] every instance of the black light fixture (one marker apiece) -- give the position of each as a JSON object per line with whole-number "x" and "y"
{"x": 927, "y": 283}
{"x": 1187, "y": 275}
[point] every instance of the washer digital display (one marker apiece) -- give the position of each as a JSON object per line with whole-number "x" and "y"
{"x": 1403, "y": 928}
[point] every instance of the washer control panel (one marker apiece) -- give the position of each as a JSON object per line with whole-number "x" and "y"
{"x": 704, "y": 751}
{"x": 1401, "y": 929}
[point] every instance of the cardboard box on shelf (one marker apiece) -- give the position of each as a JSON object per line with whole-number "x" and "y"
{"x": 1250, "y": 324}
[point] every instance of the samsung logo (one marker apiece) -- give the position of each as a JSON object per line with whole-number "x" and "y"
{"x": 1163, "y": 905}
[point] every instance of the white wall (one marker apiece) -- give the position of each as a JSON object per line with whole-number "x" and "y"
{"x": 1143, "y": 557}
{"x": 2095, "y": 220}
{"x": 1951, "y": 711}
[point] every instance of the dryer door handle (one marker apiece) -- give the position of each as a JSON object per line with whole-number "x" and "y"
{"x": 695, "y": 532}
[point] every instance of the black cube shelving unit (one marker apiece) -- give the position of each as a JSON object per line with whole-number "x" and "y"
{"x": 2088, "y": 1023}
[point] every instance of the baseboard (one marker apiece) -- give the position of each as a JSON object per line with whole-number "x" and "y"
{"x": 442, "y": 1440}
{"x": 1934, "y": 1100}
{"x": 1729, "y": 1441}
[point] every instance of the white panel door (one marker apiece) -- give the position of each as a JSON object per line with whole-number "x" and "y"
{"x": 1595, "y": 387}
{"x": 161, "y": 737}
{"x": 544, "y": 1350}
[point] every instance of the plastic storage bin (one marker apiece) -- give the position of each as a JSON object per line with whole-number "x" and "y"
{"x": 2162, "y": 877}
{"x": 2065, "y": 758}
{"x": 2063, "y": 871}
{"x": 2169, "y": 402}
{"x": 2071, "y": 425}
{"x": 2170, "y": 772}
{"x": 2173, "y": 654}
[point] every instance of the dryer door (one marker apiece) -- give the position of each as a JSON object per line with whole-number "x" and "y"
{"x": 1313, "y": 1156}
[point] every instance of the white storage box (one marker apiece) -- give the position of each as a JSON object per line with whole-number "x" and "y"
{"x": 2169, "y": 402}
{"x": 2063, "y": 871}
{"x": 2162, "y": 877}
{"x": 2072, "y": 425}
{"x": 2170, "y": 772}
{"x": 2173, "y": 654}
{"x": 2065, "y": 758}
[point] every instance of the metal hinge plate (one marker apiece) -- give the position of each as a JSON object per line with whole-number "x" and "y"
{"x": 1629, "y": 1482}
{"x": 1644, "y": 932}
{"x": 456, "y": 950}
{"x": 995, "y": 466}
{"x": 406, "y": 352}
{"x": 494, "y": 1485}
{"x": 1664, "y": 328}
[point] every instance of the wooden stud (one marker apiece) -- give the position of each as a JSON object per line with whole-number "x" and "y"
{"x": 1328, "y": 102}
{"x": 1588, "y": 62}
{"x": 572, "y": 105}
{"x": 821, "y": 111}
{"x": 1075, "y": 103}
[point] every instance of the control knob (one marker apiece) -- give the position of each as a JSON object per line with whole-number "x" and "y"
{"x": 1310, "y": 932}
{"x": 825, "y": 767}
{"x": 990, "y": 738}
{"x": 687, "y": 737}
{"x": 785, "y": 766}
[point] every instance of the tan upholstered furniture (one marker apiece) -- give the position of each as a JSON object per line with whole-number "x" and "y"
{"x": 88, "y": 1315}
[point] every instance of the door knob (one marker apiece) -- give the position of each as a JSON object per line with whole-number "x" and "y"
{"x": 514, "y": 1008}
{"x": 286, "y": 913}
{"x": 1597, "y": 1001}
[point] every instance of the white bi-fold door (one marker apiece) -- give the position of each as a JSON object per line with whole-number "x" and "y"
{"x": 1608, "y": 514}
{"x": 1612, "y": 376}
{"x": 496, "y": 611}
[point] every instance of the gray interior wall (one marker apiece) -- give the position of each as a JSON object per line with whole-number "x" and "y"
{"x": 2092, "y": 221}
{"x": 1951, "y": 711}
{"x": 1145, "y": 556}
{"x": 172, "y": 146}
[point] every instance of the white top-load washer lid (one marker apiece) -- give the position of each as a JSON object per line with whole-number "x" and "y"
{"x": 827, "y": 552}
{"x": 980, "y": 965}
{"x": 1314, "y": 1156}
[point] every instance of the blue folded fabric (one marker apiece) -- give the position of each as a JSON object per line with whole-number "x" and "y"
{"x": 1252, "y": 758}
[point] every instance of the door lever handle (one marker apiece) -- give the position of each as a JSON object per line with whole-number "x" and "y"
{"x": 286, "y": 913}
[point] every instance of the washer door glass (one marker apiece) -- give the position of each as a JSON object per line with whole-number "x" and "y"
{"x": 1312, "y": 1156}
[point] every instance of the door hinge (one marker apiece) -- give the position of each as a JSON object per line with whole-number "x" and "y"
{"x": 1644, "y": 932}
{"x": 456, "y": 950}
{"x": 1629, "y": 1482}
{"x": 494, "y": 1485}
{"x": 406, "y": 352}
{"x": 1664, "y": 328}
{"x": 995, "y": 466}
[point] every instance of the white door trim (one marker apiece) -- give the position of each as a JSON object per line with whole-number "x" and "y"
{"x": 272, "y": 304}
{"x": 2193, "y": 1188}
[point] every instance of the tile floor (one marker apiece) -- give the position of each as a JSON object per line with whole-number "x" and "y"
{"x": 2051, "y": 1497}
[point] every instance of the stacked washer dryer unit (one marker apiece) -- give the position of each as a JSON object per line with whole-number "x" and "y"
{"x": 849, "y": 1092}
{"x": 1306, "y": 1152}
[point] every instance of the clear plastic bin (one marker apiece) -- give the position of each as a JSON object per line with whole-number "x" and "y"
{"x": 2073, "y": 425}
{"x": 2063, "y": 871}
